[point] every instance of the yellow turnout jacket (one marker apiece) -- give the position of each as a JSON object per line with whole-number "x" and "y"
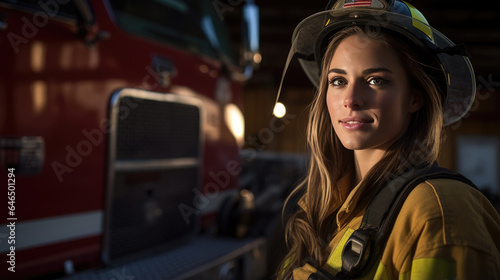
{"x": 444, "y": 230}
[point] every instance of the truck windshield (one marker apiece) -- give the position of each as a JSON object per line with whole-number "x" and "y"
{"x": 193, "y": 25}
{"x": 65, "y": 10}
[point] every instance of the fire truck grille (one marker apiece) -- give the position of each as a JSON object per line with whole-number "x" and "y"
{"x": 150, "y": 129}
{"x": 154, "y": 172}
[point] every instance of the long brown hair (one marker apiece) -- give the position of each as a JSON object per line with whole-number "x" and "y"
{"x": 309, "y": 232}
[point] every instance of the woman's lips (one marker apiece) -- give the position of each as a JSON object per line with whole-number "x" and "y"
{"x": 353, "y": 123}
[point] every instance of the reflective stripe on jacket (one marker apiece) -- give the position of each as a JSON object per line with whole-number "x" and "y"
{"x": 445, "y": 230}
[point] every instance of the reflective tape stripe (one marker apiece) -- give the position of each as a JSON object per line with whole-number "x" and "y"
{"x": 419, "y": 21}
{"x": 381, "y": 273}
{"x": 335, "y": 259}
{"x": 51, "y": 230}
{"x": 431, "y": 269}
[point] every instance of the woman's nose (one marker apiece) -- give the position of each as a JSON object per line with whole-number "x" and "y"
{"x": 353, "y": 96}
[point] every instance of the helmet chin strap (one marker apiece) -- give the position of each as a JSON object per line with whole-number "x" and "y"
{"x": 459, "y": 49}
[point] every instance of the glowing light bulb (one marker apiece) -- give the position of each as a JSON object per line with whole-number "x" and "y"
{"x": 279, "y": 110}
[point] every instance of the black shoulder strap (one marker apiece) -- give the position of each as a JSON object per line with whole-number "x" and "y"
{"x": 364, "y": 245}
{"x": 384, "y": 207}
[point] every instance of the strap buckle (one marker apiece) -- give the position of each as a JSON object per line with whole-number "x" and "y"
{"x": 356, "y": 252}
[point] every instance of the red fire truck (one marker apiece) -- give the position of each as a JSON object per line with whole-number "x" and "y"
{"x": 120, "y": 135}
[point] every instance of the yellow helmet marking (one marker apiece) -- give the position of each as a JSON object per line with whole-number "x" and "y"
{"x": 419, "y": 21}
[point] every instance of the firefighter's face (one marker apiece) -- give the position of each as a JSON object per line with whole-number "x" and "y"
{"x": 368, "y": 96}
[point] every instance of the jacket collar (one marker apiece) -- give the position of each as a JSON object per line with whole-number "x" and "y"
{"x": 349, "y": 204}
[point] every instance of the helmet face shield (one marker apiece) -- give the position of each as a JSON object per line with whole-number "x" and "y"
{"x": 313, "y": 34}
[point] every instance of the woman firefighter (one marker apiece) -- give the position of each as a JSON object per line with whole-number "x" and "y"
{"x": 375, "y": 205}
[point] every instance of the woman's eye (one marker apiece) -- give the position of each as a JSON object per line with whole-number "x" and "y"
{"x": 375, "y": 81}
{"x": 337, "y": 82}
